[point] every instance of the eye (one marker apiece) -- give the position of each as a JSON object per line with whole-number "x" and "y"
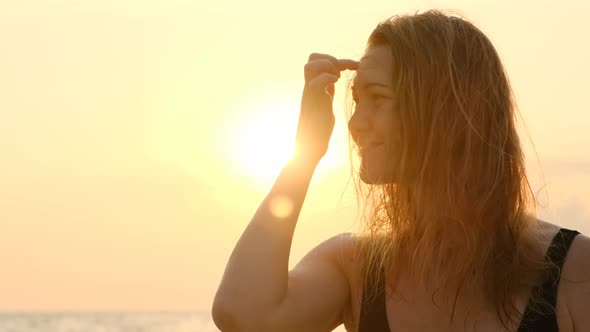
{"x": 377, "y": 98}
{"x": 374, "y": 97}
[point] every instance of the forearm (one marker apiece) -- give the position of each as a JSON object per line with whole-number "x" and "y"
{"x": 256, "y": 276}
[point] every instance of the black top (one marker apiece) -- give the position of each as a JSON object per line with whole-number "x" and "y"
{"x": 373, "y": 316}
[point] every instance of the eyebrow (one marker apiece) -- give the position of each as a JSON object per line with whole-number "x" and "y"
{"x": 365, "y": 86}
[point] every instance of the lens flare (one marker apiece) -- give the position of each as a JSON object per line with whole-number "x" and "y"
{"x": 281, "y": 206}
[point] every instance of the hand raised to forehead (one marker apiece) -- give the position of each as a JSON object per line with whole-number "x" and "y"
{"x": 323, "y": 63}
{"x": 316, "y": 120}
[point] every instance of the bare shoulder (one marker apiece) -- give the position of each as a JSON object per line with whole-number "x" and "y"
{"x": 336, "y": 250}
{"x": 337, "y": 244}
{"x": 318, "y": 291}
{"x": 340, "y": 249}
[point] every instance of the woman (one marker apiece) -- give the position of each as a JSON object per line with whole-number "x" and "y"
{"x": 451, "y": 242}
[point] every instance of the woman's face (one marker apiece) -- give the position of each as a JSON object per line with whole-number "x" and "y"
{"x": 373, "y": 125}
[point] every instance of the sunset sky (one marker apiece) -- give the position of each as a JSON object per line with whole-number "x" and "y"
{"x": 137, "y": 138}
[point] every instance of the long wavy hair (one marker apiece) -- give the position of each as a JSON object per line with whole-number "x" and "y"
{"x": 462, "y": 210}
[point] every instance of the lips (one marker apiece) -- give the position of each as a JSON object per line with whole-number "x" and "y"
{"x": 370, "y": 146}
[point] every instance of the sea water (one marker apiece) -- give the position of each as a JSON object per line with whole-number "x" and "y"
{"x": 109, "y": 322}
{"x": 106, "y": 322}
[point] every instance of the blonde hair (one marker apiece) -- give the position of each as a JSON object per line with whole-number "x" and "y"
{"x": 460, "y": 170}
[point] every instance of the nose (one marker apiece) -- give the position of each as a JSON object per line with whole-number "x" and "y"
{"x": 359, "y": 125}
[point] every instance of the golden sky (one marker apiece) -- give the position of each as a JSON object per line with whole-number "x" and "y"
{"x": 132, "y": 134}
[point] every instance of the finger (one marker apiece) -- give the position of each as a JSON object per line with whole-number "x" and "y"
{"x": 330, "y": 89}
{"x": 318, "y": 56}
{"x": 316, "y": 67}
{"x": 344, "y": 64}
{"x": 322, "y": 56}
{"x": 340, "y": 64}
{"x": 321, "y": 82}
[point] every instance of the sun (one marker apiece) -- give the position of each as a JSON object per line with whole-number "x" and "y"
{"x": 262, "y": 137}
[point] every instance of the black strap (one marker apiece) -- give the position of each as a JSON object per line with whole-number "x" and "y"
{"x": 373, "y": 317}
{"x": 556, "y": 254}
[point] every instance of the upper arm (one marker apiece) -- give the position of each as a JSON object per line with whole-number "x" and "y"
{"x": 318, "y": 290}
{"x": 577, "y": 277}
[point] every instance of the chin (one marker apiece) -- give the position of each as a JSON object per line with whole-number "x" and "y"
{"x": 367, "y": 180}
{"x": 374, "y": 178}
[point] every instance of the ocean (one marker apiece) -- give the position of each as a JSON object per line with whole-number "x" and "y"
{"x": 106, "y": 322}
{"x": 109, "y": 322}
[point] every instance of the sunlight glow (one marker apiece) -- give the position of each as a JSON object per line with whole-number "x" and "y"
{"x": 262, "y": 139}
{"x": 281, "y": 206}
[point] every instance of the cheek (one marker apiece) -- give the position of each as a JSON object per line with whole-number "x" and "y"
{"x": 387, "y": 127}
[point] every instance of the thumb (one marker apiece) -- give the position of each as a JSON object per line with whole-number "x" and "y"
{"x": 324, "y": 83}
{"x": 330, "y": 90}
{"x": 321, "y": 82}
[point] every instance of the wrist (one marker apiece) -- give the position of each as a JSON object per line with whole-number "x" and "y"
{"x": 304, "y": 162}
